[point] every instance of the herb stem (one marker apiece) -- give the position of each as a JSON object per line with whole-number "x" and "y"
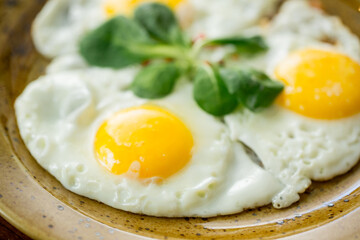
{"x": 196, "y": 49}
{"x": 166, "y": 51}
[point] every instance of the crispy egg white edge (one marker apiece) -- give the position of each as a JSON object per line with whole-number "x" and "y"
{"x": 298, "y": 149}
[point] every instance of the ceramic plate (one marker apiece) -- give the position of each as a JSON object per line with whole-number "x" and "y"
{"x": 36, "y": 203}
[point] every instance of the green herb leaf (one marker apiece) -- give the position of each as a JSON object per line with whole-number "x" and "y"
{"x": 156, "y": 80}
{"x": 254, "y": 89}
{"x": 161, "y": 23}
{"x": 211, "y": 93}
{"x": 251, "y": 45}
{"x": 117, "y": 43}
{"x": 155, "y": 33}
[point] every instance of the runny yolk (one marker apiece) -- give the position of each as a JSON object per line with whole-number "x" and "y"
{"x": 115, "y": 7}
{"x": 144, "y": 142}
{"x": 320, "y": 84}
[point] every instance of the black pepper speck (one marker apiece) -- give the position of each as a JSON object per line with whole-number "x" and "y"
{"x": 60, "y": 208}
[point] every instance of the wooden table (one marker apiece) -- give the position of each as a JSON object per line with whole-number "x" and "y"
{"x": 7, "y": 231}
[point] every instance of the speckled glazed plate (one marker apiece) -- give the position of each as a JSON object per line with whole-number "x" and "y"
{"x": 36, "y": 203}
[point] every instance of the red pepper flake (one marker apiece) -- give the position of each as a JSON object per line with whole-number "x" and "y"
{"x": 201, "y": 36}
{"x": 145, "y": 63}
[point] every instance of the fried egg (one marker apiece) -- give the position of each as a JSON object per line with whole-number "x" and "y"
{"x": 313, "y": 130}
{"x": 60, "y": 25}
{"x": 164, "y": 157}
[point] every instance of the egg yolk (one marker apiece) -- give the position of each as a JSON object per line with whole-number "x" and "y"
{"x": 115, "y": 7}
{"x": 144, "y": 142}
{"x": 320, "y": 84}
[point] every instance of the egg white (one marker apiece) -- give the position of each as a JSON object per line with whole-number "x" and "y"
{"x": 58, "y": 27}
{"x": 215, "y": 19}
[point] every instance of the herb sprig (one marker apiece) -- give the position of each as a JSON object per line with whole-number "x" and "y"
{"x": 154, "y": 33}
